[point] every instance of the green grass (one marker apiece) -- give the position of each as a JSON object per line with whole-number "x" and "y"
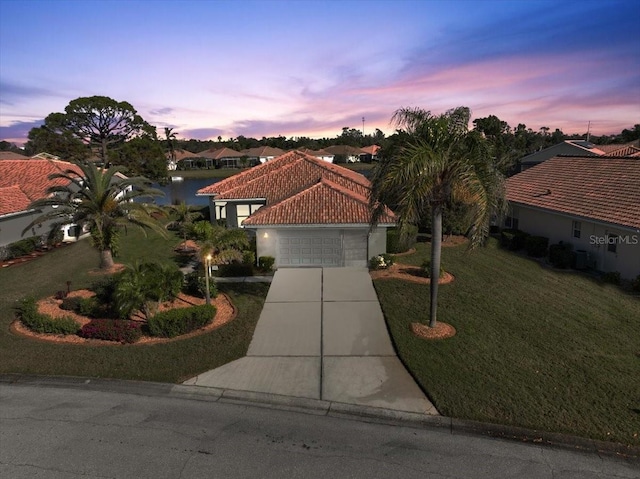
{"x": 169, "y": 362}
{"x": 535, "y": 347}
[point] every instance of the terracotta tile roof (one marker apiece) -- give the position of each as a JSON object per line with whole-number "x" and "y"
{"x": 32, "y": 178}
{"x": 370, "y": 150}
{"x": 599, "y": 188}
{"x": 10, "y": 155}
{"x": 256, "y": 182}
{"x": 12, "y": 200}
{"x": 182, "y": 154}
{"x": 618, "y": 149}
{"x": 343, "y": 150}
{"x": 323, "y": 203}
{"x": 263, "y": 151}
{"x": 297, "y": 175}
{"x": 219, "y": 153}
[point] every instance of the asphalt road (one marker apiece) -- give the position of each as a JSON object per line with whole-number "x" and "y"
{"x": 72, "y": 432}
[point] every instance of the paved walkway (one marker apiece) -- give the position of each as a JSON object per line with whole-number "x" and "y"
{"x": 322, "y": 335}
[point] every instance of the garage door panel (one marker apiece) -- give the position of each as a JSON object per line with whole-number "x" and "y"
{"x": 310, "y": 248}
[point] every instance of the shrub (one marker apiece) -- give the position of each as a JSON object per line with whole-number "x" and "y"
{"x": 23, "y": 247}
{"x": 235, "y": 269}
{"x": 265, "y": 263}
{"x": 536, "y": 246}
{"x": 635, "y": 284}
{"x": 248, "y": 257}
{"x": 70, "y": 304}
{"x": 381, "y": 261}
{"x": 196, "y": 285}
{"x": 175, "y": 322}
{"x": 426, "y": 268}
{"x": 119, "y": 330}
{"x": 397, "y": 243}
{"x": 43, "y": 323}
{"x": 513, "y": 240}
{"x": 560, "y": 255}
{"x": 612, "y": 277}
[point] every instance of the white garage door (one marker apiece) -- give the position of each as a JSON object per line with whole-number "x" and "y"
{"x": 309, "y": 248}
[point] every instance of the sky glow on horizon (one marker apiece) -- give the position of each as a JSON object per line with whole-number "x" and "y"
{"x": 310, "y": 68}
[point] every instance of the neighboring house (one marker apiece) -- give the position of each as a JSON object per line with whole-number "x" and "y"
{"x": 10, "y": 155}
{"x": 593, "y": 203}
{"x": 180, "y": 155}
{"x": 351, "y": 154}
{"x": 261, "y": 154}
{"x": 324, "y": 155}
{"x": 304, "y": 211}
{"x": 222, "y": 157}
{"x": 580, "y": 148}
{"x": 369, "y": 153}
{"x": 22, "y": 182}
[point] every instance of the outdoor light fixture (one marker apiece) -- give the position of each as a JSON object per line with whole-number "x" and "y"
{"x": 265, "y": 235}
{"x": 207, "y": 265}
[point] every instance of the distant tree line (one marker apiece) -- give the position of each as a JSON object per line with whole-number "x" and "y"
{"x": 110, "y": 132}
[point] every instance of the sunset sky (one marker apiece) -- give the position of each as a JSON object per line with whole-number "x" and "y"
{"x": 309, "y": 68}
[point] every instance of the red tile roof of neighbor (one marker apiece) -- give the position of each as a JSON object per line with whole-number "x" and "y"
{"x": 600, "y": 188}
{"x": 263, "y": 151}
{"x": 10, "y": 155}
{"x": 219, "y": 153}
{"x": 31, "y": 177}
{"x": 291, "y": 176}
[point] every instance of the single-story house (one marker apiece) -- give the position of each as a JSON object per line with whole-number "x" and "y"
{"x": 221, "y": 157}
{"x": 303, "y": 210}
{"x": 180, "y": 155}
{"x": 580, "y": 148}
{"x": 351, "y": 154}
{"x": 21, "y": 183}
{"x": 262, "y": 154}
{"x": 10, "y": 155}
{"x": 369, "y": 153}
{"x": 324, "y": 155}
{"x": 593, "y": 203}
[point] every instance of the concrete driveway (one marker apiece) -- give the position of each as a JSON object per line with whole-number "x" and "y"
{"x": 322, "y": 335}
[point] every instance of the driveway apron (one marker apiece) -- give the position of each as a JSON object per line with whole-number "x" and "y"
{"x": 322, "y": 335}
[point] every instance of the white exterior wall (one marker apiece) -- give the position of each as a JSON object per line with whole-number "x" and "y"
{"x": 377, "y": 242}
{"x": 354, "y": 247}
{"x": 266, "y": 242}
{"x": 593, "y": 237}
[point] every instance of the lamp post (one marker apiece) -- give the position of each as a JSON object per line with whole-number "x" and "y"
{"x": 207, "y": 263}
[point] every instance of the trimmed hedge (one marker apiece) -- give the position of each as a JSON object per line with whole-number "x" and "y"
{"x": 536, "y": 246}
{"x": 118, "y": 330}
{"x": 513, "y": 240}
{"x": 235, "y": 270}
{"x": 561, "y": 256}
{"x": 265, "y": 263}
{"x": 175, "y": 322}
{"x": 396, "y": 243}
{"x": 84, "y": 306}
{"x": 43, "y": 323}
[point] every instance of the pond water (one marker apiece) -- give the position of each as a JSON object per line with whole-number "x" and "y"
{"x": 185, "y": 190}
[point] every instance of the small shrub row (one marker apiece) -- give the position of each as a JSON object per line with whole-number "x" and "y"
{"x": 397, "y": 243}
{"x": 536, "y": 246}
{"x": 23, "y": 247}
{"x": 513, "y": 240}
{"x": 196, "y": 285}
{"x": 265, "y": 263}
{"x": 561, "y": 255}
{"x": 43, "y": 323}
{"x": 118, "y": 330}
{"x": 381, "y": 261}
{"x": 612, "y": 277}
{"x": 235, "y": 270}
{"x": 175, "y": 322}
{"x": 84, "y": 306}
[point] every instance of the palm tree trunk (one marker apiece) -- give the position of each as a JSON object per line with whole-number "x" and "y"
{"x": 436, "y": 253}
{"x": 106, "y": 259}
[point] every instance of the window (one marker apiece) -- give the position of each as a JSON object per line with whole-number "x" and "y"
{"x": 511, "y": 222}
{"x": 577, "y": 227}
{"x": 612, "y": 243}
{"x": 244, "y": 211}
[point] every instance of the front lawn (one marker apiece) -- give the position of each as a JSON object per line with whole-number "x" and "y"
{"x": 535, "y": 347}
{"x": 168, "y": 362}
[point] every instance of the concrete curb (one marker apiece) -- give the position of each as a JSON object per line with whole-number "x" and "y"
{"x": 333, "y": 409}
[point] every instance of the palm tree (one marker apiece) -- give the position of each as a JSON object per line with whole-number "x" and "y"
{"x": 440, "y": 160}
{"x": 170, "y": 139}
{"x": 97, "y": 199}
{"x": 183, "y": 218}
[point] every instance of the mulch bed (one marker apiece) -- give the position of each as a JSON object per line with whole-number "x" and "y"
{"x": 225, "y": 312}
{"x": 439, "y": 331}
{"x": 408, "y": 273}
